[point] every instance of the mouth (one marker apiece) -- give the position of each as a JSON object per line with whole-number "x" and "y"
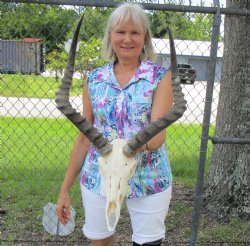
{"x": 127, "y": 48}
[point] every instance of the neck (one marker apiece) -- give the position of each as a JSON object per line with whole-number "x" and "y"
{"x": 124, "y": 71}
{"x": 129, "y": 66}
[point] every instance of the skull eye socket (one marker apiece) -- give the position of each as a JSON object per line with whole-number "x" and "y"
{"x": 126, "y": 164}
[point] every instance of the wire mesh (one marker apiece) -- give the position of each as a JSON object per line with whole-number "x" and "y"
{"x": 37, "y": 139}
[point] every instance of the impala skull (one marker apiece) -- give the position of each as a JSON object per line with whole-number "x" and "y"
{"x": 116, "y": 169}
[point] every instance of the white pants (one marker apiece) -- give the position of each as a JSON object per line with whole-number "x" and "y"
{"x": 147, "y": 216}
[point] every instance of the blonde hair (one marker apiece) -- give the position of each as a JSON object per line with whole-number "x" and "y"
{"x": 121, "y": 15}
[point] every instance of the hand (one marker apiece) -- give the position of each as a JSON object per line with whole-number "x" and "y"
{"x": 63, "y": 208}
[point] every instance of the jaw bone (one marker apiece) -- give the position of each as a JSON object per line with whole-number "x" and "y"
{"x": 116, "y": 169}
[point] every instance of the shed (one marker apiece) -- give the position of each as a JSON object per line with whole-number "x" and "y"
{"x": 196, "y": 53}
{"x": 21, "y": 56}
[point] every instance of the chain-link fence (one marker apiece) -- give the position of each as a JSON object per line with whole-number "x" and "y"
{"x": 37, "y": 139}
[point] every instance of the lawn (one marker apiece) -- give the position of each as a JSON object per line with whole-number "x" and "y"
{"x": 34, "y": 86}
{"x": 35, "y": 155}
{"x": 42, "y": 144}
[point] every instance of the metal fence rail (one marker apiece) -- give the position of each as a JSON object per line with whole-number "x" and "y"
{"x": 37, "y": 139}
{"x": 150, "y": 5}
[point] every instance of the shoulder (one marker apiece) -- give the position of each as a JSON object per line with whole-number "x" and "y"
{"x": 154, "y": 71}
{"x": 154, "y": 65}
{"x": 100, "y": 73}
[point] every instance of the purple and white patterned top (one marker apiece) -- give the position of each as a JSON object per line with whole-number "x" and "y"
{"x": 121, "y": 113}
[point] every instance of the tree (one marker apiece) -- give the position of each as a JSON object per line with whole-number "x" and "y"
{"x": 50, "y": 23}
{"x": 55, "y": 24}
{"x": 88, "y": 57}
{"x": 227, "y": 188}
{"x": 195, "y": 27}
{"x": 184, "y": 26}
{"x": 56, "y": 61}
{"x": 94, "y": 23}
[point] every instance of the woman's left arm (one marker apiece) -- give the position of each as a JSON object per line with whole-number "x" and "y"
{"x": 162, "y": 104}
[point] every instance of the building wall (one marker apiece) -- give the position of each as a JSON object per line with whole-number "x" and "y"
{"x": 199, "y": 63}
{"x": 20, "y": 57}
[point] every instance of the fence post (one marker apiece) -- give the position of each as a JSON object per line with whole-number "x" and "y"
{"x": 206, "y": 124}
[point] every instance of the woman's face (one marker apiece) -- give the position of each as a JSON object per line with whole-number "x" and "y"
{"x": 127, "y": 41}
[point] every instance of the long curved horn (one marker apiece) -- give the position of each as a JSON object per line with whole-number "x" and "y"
{"x": 176, "y": 112}
{"x": 63, "y": 104}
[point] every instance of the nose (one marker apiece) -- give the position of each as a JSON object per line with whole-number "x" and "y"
{"x": 127, "y": 37}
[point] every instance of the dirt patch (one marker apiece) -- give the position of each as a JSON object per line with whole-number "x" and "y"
{"x": 25, "y": 233}
{"x": 29, "y": 231}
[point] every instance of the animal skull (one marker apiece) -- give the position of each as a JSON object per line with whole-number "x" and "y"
{"x": 116, "y": 169}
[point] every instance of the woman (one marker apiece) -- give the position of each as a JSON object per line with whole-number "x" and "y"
{"x": 120, "y": 99}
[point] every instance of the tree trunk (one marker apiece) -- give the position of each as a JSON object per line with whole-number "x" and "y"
{"x": 226, "y": 191}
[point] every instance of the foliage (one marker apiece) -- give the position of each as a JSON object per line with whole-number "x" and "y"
{"x": 94, "y": 23}
{"x": 160, "y": 21}
{"x": 57, "y": 23}
{"x": 88, "y": 56}
{"x": 51, "y": 23}
{"x": 184, "y": 26}
{"x": 56, "y": 61}
{"x": 196, "y": 27}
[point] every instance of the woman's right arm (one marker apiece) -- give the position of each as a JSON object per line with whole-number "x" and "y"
{"x": 77, "y": 156}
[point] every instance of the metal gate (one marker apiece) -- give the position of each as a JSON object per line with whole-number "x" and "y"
{"x": 37, "y": 139}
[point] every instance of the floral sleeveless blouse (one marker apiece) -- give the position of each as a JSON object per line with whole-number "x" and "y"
{"x": 121, "y": 113}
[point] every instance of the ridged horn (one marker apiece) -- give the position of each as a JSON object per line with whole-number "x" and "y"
{"x": 63, "y": 103}
{"x": 178, "y": 109}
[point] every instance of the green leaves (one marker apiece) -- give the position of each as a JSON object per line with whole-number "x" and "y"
{"x": 88, "y": 56}
{"x": 187, "y": 26}
{"x": 51, "y": 23}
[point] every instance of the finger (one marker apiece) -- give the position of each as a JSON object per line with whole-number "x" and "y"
{"x": 66, "y": 213}
{"x": 60, "y": 214}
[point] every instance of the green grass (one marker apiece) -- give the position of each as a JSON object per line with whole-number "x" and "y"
{"x": 32, "y": 168}
{"x": 233, "y": 231}
{"x": 34, "y": 150}
{"x": 35, "y": 153}
{"x": 210, "y": 232}
{"x": 183, "y": 142}
{"x": 34, "y": 86}
{"x": 44, "y": 144}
